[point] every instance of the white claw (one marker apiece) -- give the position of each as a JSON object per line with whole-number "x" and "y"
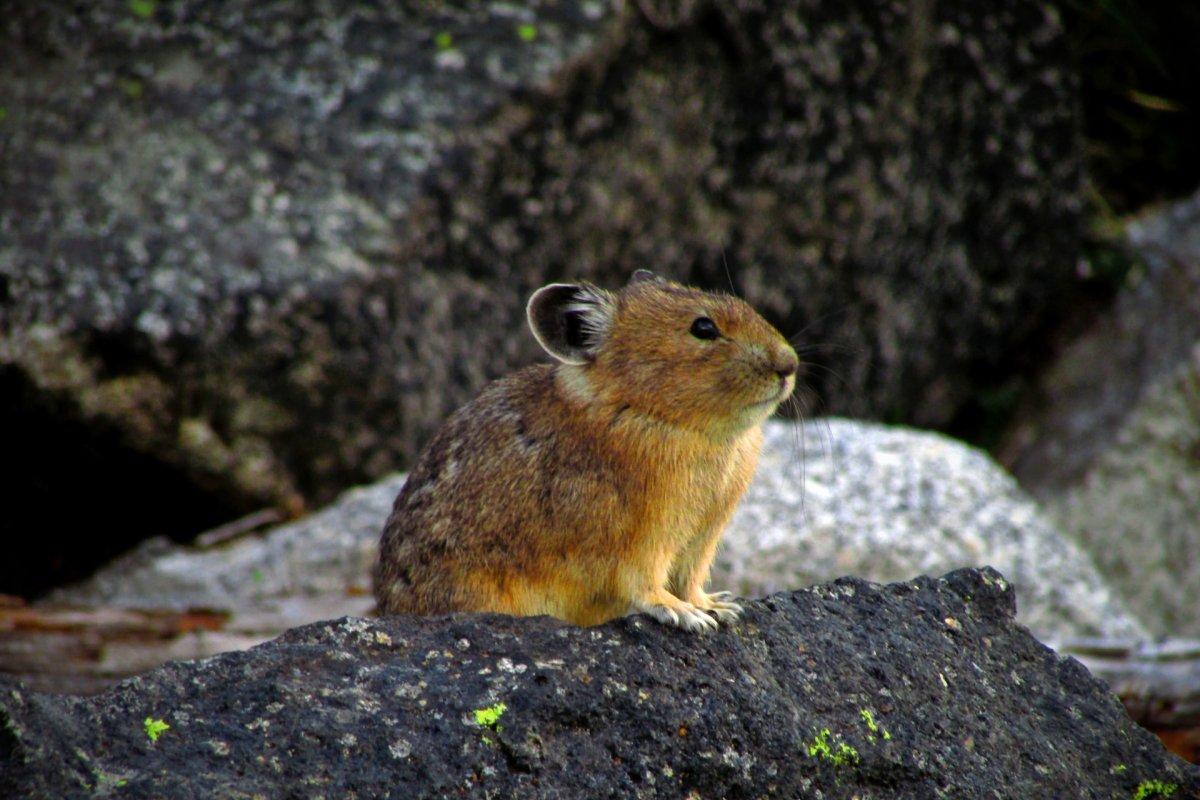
{"x": 697, "y": 621}
{"x": 687, "y": 617}
{"x": 722, "y": 607}
{"x": 661, "y": 614}
{"x": 726, "y": 612}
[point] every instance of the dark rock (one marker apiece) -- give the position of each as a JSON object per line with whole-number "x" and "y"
{"x": 272, "y": 246}
{"x": 964, "y": 703}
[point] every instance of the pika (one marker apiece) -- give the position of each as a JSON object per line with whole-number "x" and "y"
{"x": 597, "y": 486}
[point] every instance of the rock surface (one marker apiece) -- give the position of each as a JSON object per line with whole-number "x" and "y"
{"x": 926, "y": 689}
{"x": 1115, "y": 454}
{"x": 269, "y": 246}
{"x": 831, "y": 498}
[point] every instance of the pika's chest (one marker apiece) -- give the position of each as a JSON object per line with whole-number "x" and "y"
{"x": 702, "y": 489}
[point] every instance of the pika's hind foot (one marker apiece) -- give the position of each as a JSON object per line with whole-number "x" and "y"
{"x": 670, "y": 610}
{"x": 719, "y": 605}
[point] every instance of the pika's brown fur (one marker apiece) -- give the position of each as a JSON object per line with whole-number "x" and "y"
{"x": 599, "y": 485}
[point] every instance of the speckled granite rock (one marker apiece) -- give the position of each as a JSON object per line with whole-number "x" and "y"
{"x": 867, "y": 500}
{"x": 1113, "y": 448}
{"x": 838, "y": 497}
{"x": 964, "y": 703}
{"x": 272, "y": 245}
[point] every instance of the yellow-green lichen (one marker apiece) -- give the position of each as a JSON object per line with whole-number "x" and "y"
{"x": 155, "y": 728}
{"x": 143, "y": 8}
{"x": 489, "y": 717}
{"x": 106, "y": 782}
{"x": 1149, "y": 789}
{"x": 836, "y": 752}
{"x": 875, "y": 728}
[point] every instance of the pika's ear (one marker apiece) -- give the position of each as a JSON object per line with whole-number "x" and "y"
{"x": 570, "y": 321}
{"x": 644, "y": 276}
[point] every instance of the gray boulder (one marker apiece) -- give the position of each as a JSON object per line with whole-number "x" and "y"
{"x": 1113, "y": 445}
{"x": 916, "y": 690}
{"x": 1137, "y": 508}
{"x": 268, "y": 247}
{"x": 837, "y": 497}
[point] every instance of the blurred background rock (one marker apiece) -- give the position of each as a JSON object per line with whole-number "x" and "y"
{"x": 252, "y": 254}
{"x": 255, "y": 253}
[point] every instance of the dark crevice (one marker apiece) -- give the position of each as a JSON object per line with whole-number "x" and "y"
{"x": 76, "y": 496}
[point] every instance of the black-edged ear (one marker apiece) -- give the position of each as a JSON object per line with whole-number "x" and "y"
{"x": 570, "y": 321}
{"x": 644, "y": 276}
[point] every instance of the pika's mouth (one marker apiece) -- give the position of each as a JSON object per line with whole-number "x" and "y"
{"x": 785, "y": 388}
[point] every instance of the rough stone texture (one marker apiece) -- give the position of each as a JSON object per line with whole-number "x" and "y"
{"x": 838, "y": 497}
{"x": 272, "y": 244}
{"x": 829, "y": 499}
{"x": 209, "y": 236}
{"x": 1114, "y": 449}
{"x": 965, "y": 703}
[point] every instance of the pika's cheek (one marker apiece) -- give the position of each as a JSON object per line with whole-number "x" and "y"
{"x": 740, "y": 380}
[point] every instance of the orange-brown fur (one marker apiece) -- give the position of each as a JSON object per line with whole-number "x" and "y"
{"x": 587, "y": 490}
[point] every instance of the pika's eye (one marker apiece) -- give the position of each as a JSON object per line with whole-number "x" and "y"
{"x": 705, "y": 328}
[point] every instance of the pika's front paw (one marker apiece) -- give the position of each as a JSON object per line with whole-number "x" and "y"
{"x": 720, "y": 605}
{"x": 670, "y": 610}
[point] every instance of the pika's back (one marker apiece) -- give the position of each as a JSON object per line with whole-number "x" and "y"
{"x": 494, "y": 473}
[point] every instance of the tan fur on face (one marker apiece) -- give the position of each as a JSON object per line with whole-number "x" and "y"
{"x": 587, "y": 490}
{"x": 691, "y": 383}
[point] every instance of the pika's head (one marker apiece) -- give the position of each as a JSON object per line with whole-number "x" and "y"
{"x": 689, "y": 358}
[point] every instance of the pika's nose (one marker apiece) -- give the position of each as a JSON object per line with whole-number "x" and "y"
{"x": 786, "y": 364}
